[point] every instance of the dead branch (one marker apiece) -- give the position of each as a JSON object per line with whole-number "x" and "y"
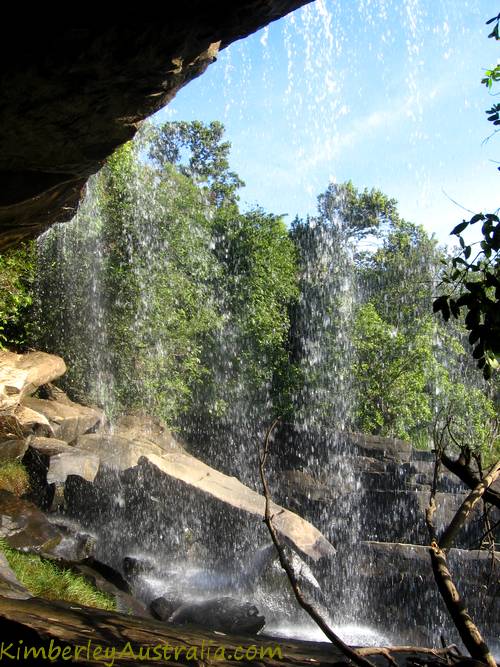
{"x": 467, "y": 506}
{"x": 466, "y": 627}
{"x": 438, "y": 652}
{"x": 467, "y": 475}
{"x": 307, "y": 606}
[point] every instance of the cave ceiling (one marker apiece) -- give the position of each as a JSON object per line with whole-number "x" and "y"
{"x": 71, "y": 95}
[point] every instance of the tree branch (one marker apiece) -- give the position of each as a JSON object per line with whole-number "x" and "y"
{"x": 466, "y": 627}
{"x": 467, "y": 475}
{"x": 467, "y": 506}
{"x": 316, "y": 615}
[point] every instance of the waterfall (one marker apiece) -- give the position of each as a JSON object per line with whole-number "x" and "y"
{"x": 156, "y": 296}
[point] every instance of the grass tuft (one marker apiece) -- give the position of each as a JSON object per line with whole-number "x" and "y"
{"x": 14, "y": 478}
{"x": 45, "y": 579}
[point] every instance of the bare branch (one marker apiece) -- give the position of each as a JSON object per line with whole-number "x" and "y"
{"x": 467, "y": 506}
{"x": 467, "y": 475}
{"x": 316, "y": 615}
{"x": 466, "y": 627}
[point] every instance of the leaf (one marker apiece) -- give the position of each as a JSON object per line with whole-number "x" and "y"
{"x": 459, "y": 228}
{"x": 455, "y": 308}
{"x": 476, "y": 218}
{"x": 473, "y": 318}
{"x": 474, "y": 336}
{"x": 439, "y": 303}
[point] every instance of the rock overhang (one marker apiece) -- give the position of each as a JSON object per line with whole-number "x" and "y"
{"x": 71, "y": 95}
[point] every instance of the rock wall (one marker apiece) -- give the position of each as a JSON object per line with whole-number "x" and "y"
{"x": 382, "y": 571}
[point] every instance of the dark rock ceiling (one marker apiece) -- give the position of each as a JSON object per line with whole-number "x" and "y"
{"x": 71, "y": 95}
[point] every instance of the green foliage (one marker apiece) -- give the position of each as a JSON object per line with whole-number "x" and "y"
{"x": 197, "y": 150}
{"x": 167, "y": 283}
{"x": 474, "y": 284}
{"x": 392, "y": 369}
{"x": 260, "y": 276}
{"x": 466, "y": 420}
{"x": 322, "y": 326}
{"x": 17, "y": 270}
{"x": 353, "y": 213}
{"x": 45, "y": 579}
{"x": 368, "y": 313}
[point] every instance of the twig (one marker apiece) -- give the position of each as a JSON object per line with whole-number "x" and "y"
{"x": 316, "y": 615}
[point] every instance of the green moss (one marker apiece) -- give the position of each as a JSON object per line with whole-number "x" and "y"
{"x": 14, "y": 478}
{"x": 44, "y": 579}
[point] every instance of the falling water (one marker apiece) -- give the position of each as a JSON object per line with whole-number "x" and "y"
{"x": 93, "y": 320}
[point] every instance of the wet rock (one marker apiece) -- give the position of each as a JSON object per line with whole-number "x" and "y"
{"x": 381, "y": 448}
{"x": 162, "y": 608}
{"x": 400, "y": 585}
{"x": 147, "y": 430}
{"x": 105, "y": 580}
{"x": 231, "y": 492}
{"x": 22, "y": 374}
{"x": 49, "y": 446}
{"x": 24, "y": 422}
{"x": 127, "y": 604}
{"x": 306, "y": 484}
{"x": 134, "y": 567}
{"x": 13, "y": 449}
{"x": 116, "y": 451}
{"x": 10, "y": 586}
{"x": 24, "y": 526}
{"x": 68, "y": 420}
{"x": 75, "y": 545}
{"x": 75, "y": 462}
{"x": 222, "y": 614}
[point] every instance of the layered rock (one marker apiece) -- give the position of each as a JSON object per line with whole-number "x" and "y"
{"x": 22, "y": 374}
{"x": 24, "y": 526}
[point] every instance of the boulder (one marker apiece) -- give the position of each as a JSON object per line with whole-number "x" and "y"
{"x": 380, "y": 447}
{"x": 22, "y": 374}
{"x": 10, "y": 586}
{"x": 306, "y": 484}
{"x": 146, "y": 429}
{"x": 231, "y": 491}
{"x": 75, "y": 545}
{"x": 29, "y": 422}
{"x": 222, "y": 614}
{"x": 24, "y": 526}
{"x": 48, "y": 446}
{"x": 13, "y": 449}
{"x": 162, "y": 608}
{"x": 116, "y": 451}
{"x": 89, "y": 90}
{"x": 75, "y": 462}
{"x": 134, "y": 567}
{"x": 68, "y": 420}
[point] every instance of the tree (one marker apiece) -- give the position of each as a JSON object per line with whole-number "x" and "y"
{"x": 322, "y": 320}
{"x": 198, "y": 152}
{"x": 17, "y": 273}
{"x": 392, "y": 370}
{"x": 472, "y": 282}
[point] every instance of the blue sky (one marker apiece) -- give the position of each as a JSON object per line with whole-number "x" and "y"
{"x": 384, "y": 93}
